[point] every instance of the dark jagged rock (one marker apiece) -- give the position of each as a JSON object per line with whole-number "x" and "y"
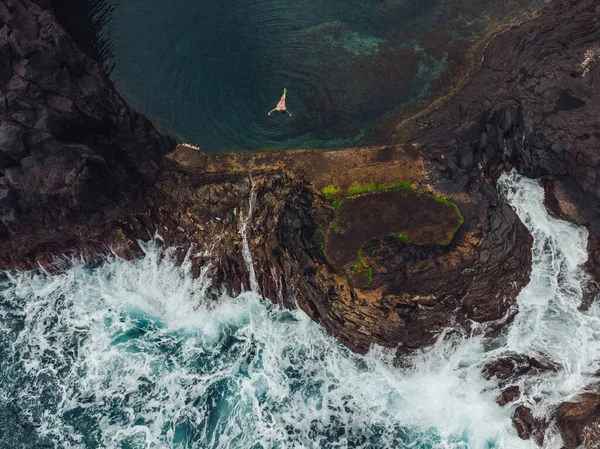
{"x": 509, "y": 394}
{"x": 414, "y": 292}
{"x": 559, "y": 200}
{"x": 528, "y": 426}
{"x": 73, "y": 156}
{"x": 506, "y": 369}
{"x": 534, "y": 105}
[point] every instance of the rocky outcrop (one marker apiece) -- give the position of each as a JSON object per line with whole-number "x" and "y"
{"x": 534, "y": 106}
{"x": 579, "y": 421}
{"x": 528, "y": 426}
{"x": 73, "y": 155}
{"x": 508, "y": 369}
{"x": 410, "y": 293}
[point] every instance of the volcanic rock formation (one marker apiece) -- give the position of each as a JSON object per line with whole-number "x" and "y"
{"x": 535, "y": 106}
{"x": 72, "y": 153}
{"x": 81, "y": 172}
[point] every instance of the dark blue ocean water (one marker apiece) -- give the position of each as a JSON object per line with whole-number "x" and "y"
{"x": 210, "y": 70}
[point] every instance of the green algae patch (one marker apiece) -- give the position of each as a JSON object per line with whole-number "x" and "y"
{"x": 358, "y": 189}
{"x": 409, "y": 215}
{"x": 330, "y": 192}
{"x": 400, "y": 237}
{"x": 441, "y": 199}
{"x": 335, "y": 194}
{"x": 361, "y": 274}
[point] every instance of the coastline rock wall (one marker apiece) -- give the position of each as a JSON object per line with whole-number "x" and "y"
{"x": 72, "y": 152}
{"x": 411, "y": 293}
{"x": 81, "y": 171}
{"x": 534, "y": 105}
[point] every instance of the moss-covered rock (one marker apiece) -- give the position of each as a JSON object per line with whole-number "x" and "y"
{"x": 420, "y": 218}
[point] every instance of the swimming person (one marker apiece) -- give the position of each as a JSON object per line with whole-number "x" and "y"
{"x": 281, "y": 105}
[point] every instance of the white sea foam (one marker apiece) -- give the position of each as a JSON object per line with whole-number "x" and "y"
{"x": 133, "y": 354}
{"x": 549, "y": 325}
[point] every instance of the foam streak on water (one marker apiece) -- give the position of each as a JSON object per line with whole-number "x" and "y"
{"x": 246, "y": 252}
{"x": 134, "y": 355}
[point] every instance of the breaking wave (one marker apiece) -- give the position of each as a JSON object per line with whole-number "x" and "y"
{"x": 134, "y": 354}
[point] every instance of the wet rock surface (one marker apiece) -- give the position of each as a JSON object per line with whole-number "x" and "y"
{"x": 533, "y": 105}
{"x": 507, "y": 369}
{"x": 528, "y": 426}
{"x": 579, "y": 421}
{"x": 509, "y": 395}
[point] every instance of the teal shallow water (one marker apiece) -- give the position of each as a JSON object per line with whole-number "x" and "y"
{"x": 209, "y": 71}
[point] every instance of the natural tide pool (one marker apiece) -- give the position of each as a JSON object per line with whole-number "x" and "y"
{"x": 208, "y": 71}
